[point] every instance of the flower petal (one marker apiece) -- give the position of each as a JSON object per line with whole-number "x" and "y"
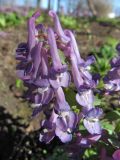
{"x": 36, "y": 57}
{"x": 92, "y": 127}
{"x": 61, "y": 124}
{"x": 72, "y": 119}
{"x": 63, "y": 136}
{"x": 65, "y": 80}
{"x": 47, "y": 96}
{"x": 47, "y": 137}
{"x": 116, "y": 155}
{"x": 36, "y": 111}
{"x": 85, "y": 99}
{"x": 94, "y": 113}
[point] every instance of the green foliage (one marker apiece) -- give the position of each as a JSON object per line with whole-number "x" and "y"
{"x": 117, "y": 127}
{"x": 70, "y": 96}
{"x": 90, "y": 154}
{"x": 19, "y": 83}
{"x": 97, "y": 101}
{"x": 11, "y": 19}
{"x": 107, "y": 126}
{"x": 69, "y": 22}
{"x": 111, "y": 122}
{"x": 2, "y": 21}
{"x": 58, "y": 154}
{"x": 113, "y": 115}
{"x": 71, "y": 99}
{"x": 103, "y": 56}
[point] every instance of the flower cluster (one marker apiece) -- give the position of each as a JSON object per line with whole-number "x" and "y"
{"x": 45, "y": 76}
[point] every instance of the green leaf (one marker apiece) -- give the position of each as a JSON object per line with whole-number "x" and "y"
{"x": 117, "y": 128}
{"x": 110, "y": 127}
{"x": 70, "y": 96}
{"x": 19, "y": 83}
{"x": 90, "y": 152}
{"x": 112, "y": 115}
{"x": 2, "y": 22}
{"x": 112, "y": 41}
{"x": 97, "y": 101}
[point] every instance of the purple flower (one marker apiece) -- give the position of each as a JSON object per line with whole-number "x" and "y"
{"x": 91, "y": 121}
{"x": 49, "y": 126}
{"x": 75, "y": 47}
{"x": 76, "y": 148}
{"x": 22, "y": 51}
{"x": 42, "y": 92}
{"x": 112, "y": 78}
{"x": 79, "y": 65}
{"x": 116, "y": 155}
{"x": 36, "y": 78}
{"x": 61, "y": 103}
{"x": 115, "y": 62}
{"x": 48, "y": 132}
{"x": 58, "y": 27}
{"x": 62, "y": 125}
{"x": 32, "y": 37}
{"x": 88, "y": 140}
{"x": 44, "y": 75}
{"x": 40, "y": 99}
{"x": 59, "y": 75}
{"x": 83, "y": 80}
{"x": 113, "y": 74}
{"x": 86, "y": 75}
{"x": 26, "y": 69}
{"x": 32, "y": 31}
{"x": 78, "y": 80}
{"x": 65, "y": 124}
{"x": 91, "y": 114}
{"x": 86, "y": 100}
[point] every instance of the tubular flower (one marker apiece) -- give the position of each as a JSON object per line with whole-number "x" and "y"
{"x": 65, "y": 125}
{"x": 45, "y": 75}
{"x": 79, "y": 65}
{"x": 61, "y": 103}
{"x": 90, "y": 113}
{"x": 59, "y": 75}
{"x": 60, "y": 125}
{"x": 75, "y": 47}
{"x": 84, "y": 84}
{"x": 58, "y": 27}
